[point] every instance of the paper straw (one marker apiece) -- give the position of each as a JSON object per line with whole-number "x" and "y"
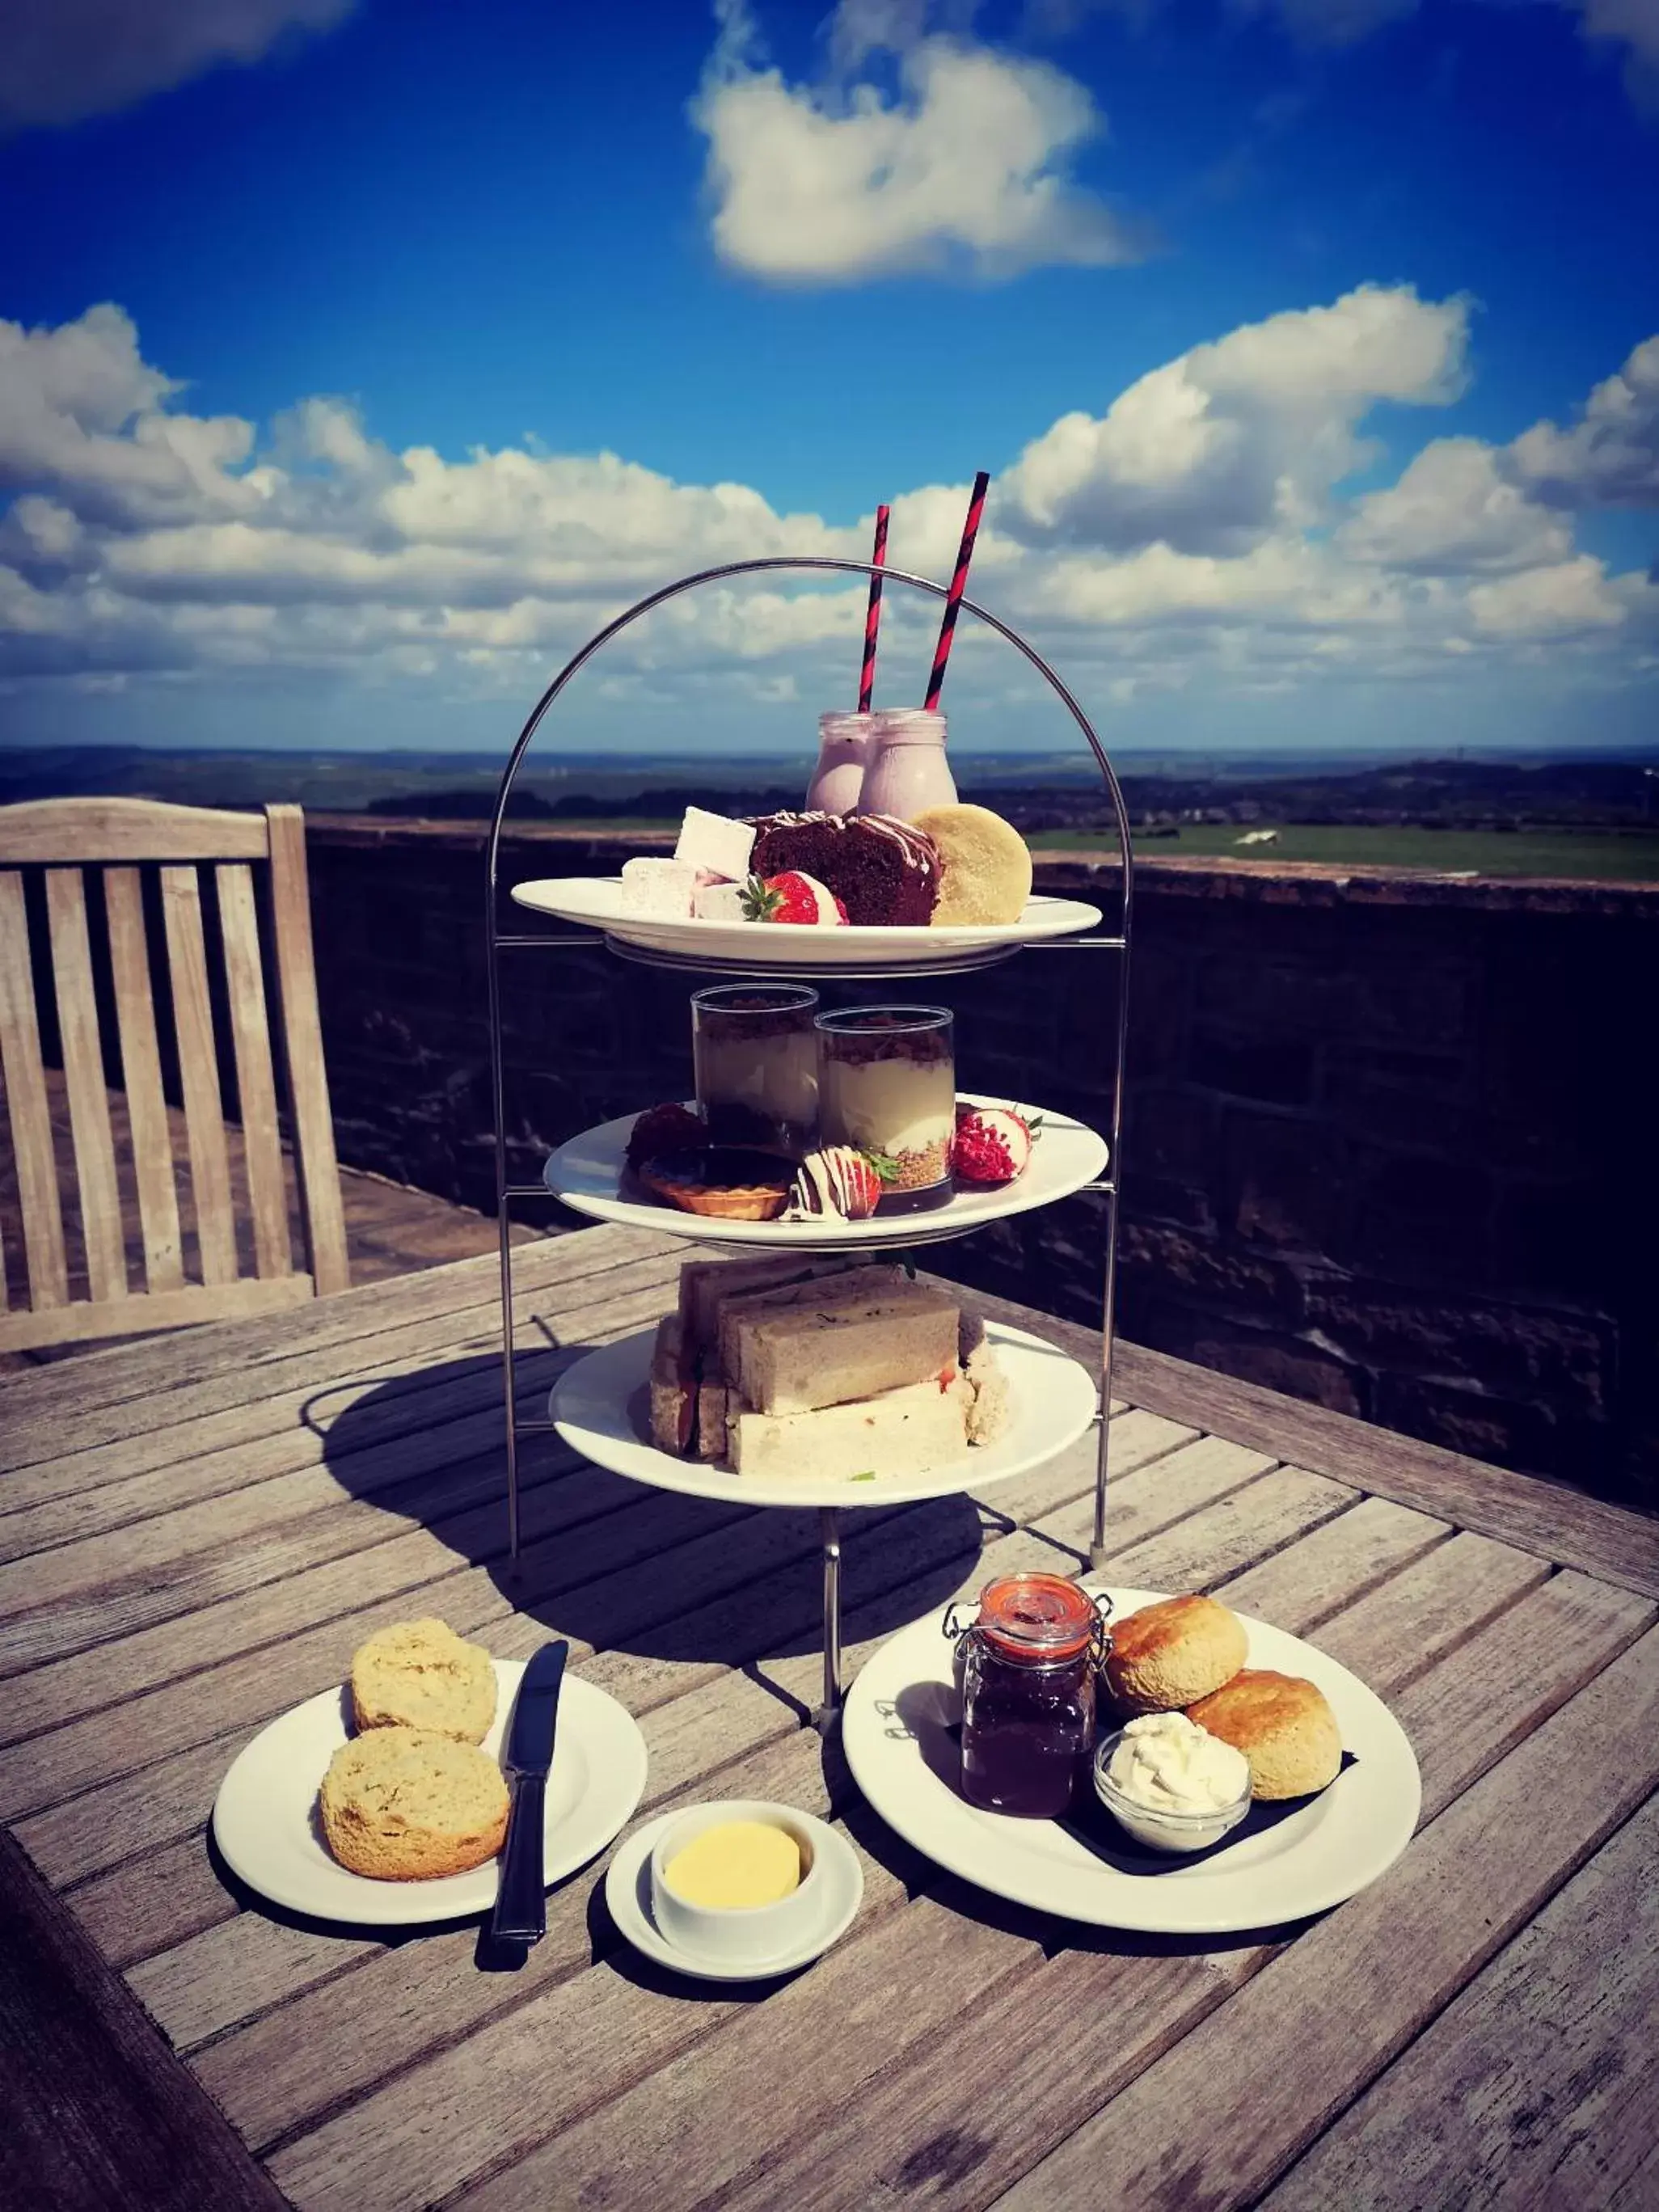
{"x": 959, "y": 585}
{"x": 873, "y": 618}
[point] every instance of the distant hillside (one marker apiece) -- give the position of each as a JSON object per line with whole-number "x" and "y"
{"x": 1041, "y": 795}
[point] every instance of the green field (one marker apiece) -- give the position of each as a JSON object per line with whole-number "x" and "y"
{"x": 1613, "y": 856}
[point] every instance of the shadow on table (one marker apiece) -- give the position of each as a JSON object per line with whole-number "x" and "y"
{"x": 616, "y": 1563}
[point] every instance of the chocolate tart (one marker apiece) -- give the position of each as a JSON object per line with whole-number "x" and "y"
{"x": 728, "y": 1182}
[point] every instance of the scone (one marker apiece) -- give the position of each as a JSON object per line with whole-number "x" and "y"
{"x": 419, "y": 1675}
{"x": 1168, "y": 1654}
{"x": 1284, "y": 1727}
{"x": 403, "y": 1804}
{"x": 984, "y": 866}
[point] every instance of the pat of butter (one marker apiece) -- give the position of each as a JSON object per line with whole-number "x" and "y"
{"x": 741, "y": 1863}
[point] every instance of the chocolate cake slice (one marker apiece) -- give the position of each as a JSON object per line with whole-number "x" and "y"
{"x": 884, "y": 872}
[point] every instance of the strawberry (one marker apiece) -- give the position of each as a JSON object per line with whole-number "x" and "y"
{"x": 663, "y": 1129}
{"x": 792, "y": 897}
{"x": 841, "y": 1180}
{"x": 993, "y": 1145}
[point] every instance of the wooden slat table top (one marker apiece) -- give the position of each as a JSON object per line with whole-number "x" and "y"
{"x": 194, "y": 1534}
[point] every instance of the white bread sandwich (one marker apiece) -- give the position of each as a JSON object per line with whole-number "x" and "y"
{"x": 900, "y": 1432}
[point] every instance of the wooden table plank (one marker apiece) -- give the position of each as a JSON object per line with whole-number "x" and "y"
{"x": 94, "y": 2111}
{"x": 1222, "y": 2115}
{"x": 1558, "y": 1524}
{"x": 1535, "y": 2086}
{"x": 283, "y": 1397}
{"x": 333, "y": 1429}
{"x": 115, "y": 1392}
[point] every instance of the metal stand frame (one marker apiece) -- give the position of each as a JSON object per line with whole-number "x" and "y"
{"x": 496, "y": 942}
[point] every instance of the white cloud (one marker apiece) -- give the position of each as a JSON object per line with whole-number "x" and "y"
{"x": 82, "y": 417}
{"x": 1196, "y": 535}
{"x": 1235, "y": 440}
{"x": 1572, "y": 596}
{"x": 1610, "y": 457}
{"x": 65, "y": 59}
{"x": 968, "y": 167}
{"x": 1452, "y": 511}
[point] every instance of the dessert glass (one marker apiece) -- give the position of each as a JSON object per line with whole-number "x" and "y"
{"x": 887, "y": 1085}
{"x": 1159, "y": 1827}
{"x": 756, "y": 1063}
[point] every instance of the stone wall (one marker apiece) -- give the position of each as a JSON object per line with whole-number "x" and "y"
{"x": 1385, "y": 1142}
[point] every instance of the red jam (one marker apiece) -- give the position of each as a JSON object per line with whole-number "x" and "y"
{"x": 1028, "y": 1703}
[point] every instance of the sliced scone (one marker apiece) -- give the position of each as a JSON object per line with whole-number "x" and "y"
{"x": 419, "y": 1675}
{"x": 403, "y": 1804}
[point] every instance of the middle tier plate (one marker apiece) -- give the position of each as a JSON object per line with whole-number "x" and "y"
{"x": 586, "y": 1174}
{"x": 599, "y": 1410}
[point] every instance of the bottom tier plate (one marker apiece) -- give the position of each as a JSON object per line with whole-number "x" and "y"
{"x": 599, "y": 1410}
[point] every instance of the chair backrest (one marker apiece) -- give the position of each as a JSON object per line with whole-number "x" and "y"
{"x": 123, "y": 837}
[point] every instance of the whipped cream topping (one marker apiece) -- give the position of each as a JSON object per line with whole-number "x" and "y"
{"x": 1168, "y": 1764}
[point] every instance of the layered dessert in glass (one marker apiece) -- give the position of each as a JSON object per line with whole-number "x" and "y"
{"x": 887, "y": 1085}
{"x": 756, "y": 1056}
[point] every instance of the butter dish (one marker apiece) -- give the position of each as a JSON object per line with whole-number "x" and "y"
{"x": 824, "y": 1906}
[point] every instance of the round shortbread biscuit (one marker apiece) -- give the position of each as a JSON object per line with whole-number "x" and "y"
{"x": 1168, "y": 1654}
{"x": 403, "y": 1804}
{"x": 984, "y": 866}
{"x": 1282, "y": 1725}
{"x": 419, "y": 1675}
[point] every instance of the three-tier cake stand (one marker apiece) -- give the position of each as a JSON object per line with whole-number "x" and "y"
{"x": 608, "y": 1442}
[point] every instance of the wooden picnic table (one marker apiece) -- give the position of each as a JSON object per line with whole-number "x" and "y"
{"x": 195, "y": 1532}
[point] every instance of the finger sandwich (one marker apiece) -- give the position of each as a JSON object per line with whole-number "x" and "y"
{"x": 778, "y": 1371}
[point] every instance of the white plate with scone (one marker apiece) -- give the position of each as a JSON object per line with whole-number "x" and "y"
{"x": 900, "y": 1735}
{"x": 268, "y": 1821}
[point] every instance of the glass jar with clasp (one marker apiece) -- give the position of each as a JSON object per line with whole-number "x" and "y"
{"x": 1027, "y": 1669}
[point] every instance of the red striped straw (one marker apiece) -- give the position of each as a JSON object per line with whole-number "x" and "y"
{"x": 873, "y": 618}
{"x": 959, "y": 585}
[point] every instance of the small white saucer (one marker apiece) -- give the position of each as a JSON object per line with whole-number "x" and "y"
{"x": 627, "y": 1894}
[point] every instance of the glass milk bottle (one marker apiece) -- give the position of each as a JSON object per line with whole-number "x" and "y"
{"x": 908, "y": 770}
{"x": 843, "y": 754}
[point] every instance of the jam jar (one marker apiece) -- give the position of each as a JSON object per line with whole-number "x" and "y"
{"x": 1027, "y": 1696}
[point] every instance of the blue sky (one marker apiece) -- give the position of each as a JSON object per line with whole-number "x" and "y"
{"x": 1304, "y": 340}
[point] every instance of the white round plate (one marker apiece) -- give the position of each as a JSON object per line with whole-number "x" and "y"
{"x": 598, "y": 1408}
{"x": 586, "y": 1174}
{"x": 264, "y": 1818}
{"x": 627, "y": 1894}
{"x": 596, "y": 901}
{"x": 904, "y": 1760}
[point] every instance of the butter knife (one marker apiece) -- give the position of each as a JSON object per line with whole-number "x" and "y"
{"x": 520, "y": 1915}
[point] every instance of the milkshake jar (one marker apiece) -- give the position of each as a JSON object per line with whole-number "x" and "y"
{"x": 907, "y": 771}
{"x": 844, "y": 741}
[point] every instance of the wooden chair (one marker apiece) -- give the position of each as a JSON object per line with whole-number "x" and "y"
{"x": 121, "y": 835}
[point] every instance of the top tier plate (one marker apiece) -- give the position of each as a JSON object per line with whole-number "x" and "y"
{"x": 755, "y": 948}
